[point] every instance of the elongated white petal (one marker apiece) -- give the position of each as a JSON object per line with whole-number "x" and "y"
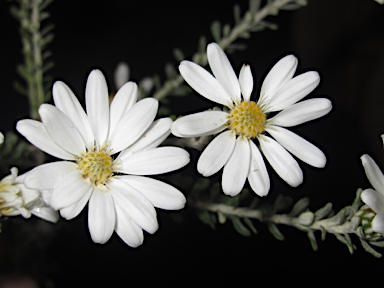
{"x": 154, "y": 161}
{"x": 373, "y": 172}
{"x": 298, "y": 146}
{"x": 154, "y": 136}
{"x": 97, "y": 103}
{"x": 204, "y": 83}
{"x": 293, "y": 91}
{"x": 127, "y": 229}
{"x": 45, "y": 176}
{"x": 236, "y": 170}
{"x": 36, "y": 133}
{"x": 223, "y": 71}
{"x": 101, "y": 216}
{"x": 160, "y": 194}
{"x": 133, "y": 124}
{"x": 280, "y": 74}
{"x": 67, "y": 102}
{"x": 61, "y": 129}
{"x": 373, "y": 199}
{"x": 124, "y": 99}
{"x": 246, "y": 82}
{"x": 216, "y": 154}
{"x": 258, "y": 175}
{"x": 135, "y": 204}
{"x": 46, "y": 213}
{"x": 72, "y": 211}
{"x": 378, "y": 222}
{"x": 302, "y": 112}
{"x": 69, "y": 190}
{"x": 199, "y": 124}
{"x": 281, "y": 161}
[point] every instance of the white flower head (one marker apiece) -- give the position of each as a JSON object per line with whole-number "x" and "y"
{"x": 16, "y": 199}
{"x": 374, "y": 198}
{"x": 87, "y": 142}
{"x": 234, "y": 148}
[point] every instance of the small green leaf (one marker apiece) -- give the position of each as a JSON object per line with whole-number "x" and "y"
{"x": 20, "y": 88}
{"x": 281, "y": 203}
{"x": 202, "y": 45}
{"x": 226, "y": 30}
{"x": 369, "y": 249}
{"x": 345, "y": 239}
{"x": 237, "y": 13}
{"x": 299, "y": 207}
{"x": 306, "y": 218}
{"x": 254, "y": 6}
{"x": 239, "y": 227}
{"x": 207, "y": 218}
{"x": 312, "y": 239}
{"x": 170, "y": 71}
{"x": 275, "y": 231}
{"x": 250, "y": 224}
{"x": 323, "y": 212}
{"x": 221, "y": 217}
{"x": 216, "y": 30}
{"x": 178, "y": 54}
{"x": 323, "y": 233}
{"x": 377, "y": 243}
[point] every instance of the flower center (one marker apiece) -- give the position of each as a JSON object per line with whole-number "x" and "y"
{"x": 247, "y": 119}
{"x": 96, "y": 166}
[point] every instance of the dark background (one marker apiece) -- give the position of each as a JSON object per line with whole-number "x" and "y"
{"x": 342, "y": 40}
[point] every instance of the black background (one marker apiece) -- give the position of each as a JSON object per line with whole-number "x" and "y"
{"x": 342, "y": 40}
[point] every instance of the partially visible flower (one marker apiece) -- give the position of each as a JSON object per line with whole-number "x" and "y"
{"x": 234, "y": 149}
{"x": 1, "y": 138}
{"x": 374, "y": 198}
{"x": 87, "y": 142}
{"x": 16, "y": 199}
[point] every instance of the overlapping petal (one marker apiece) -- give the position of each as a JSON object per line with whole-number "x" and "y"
{"x": 101, "y": 216}
{"x": 378, "y": 222}
{"x": 200, "y": 124}
{"x": 258, "y": 175}
{"x": 223, "y": 71}
{"x": 236, "y": 170}
{"x": 216, "y": 154}
{"x": 302, "y": 112}
{"x": 373, "y": 199}
{"x": 36, "y": 133}
{"x": 97, "y": 104}
{"x": 72, "y": 211}
{"x": 126, "y": 227}
{"x": 281, "y": 161}
{"x": 204, "y": 83}
{"x": 298, "y": 146}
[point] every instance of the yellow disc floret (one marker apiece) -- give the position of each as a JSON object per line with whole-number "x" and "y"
{"x": 246, "y": 119}
{"x": 96, "y": 166}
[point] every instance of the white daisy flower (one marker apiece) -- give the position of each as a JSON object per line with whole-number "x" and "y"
{"x": 234, "y": 148}
{"x": 87, "y": 142}
{"x": 16, "y": 199}
{"x": 374, "y": 198}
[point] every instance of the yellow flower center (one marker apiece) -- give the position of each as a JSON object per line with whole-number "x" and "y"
{"x": 247, "y": 119}
{"x": 96, "y": 166}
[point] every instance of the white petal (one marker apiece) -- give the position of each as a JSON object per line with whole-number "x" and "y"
{"x": 216, "y": 154}
{"x": 134, "y": 204}
{"x": 124, "y": 99}
{"x": 280, "y": 74}
{"x": 373, "y": 199}
{"x": 154, "y": 136}
{"x": 133, "y": 124}
{"x": 97, "y": 103}
{"x": 204, "y": 83}
{"x": 36, "y": 133}
{"x": 46, "y": 213}
{"x": 154, "y": 161}
{"x": 160, "y": 194}
{"x": 236, "y": 170}
{"x": 378, "y": 222}
{"x": 246, "y": 82}
{"x": 101, "y": 216}
{"x": 200, "y": 124}
{"x": 45, "y": 176}
{"x": 61, "y": 129}
{"x": 67, "y": 102}
{"x": 223, "y": 71}
{"x": 69, "y": 190}
{"x": 373, "y": 172}
{"x": 298, "y": 146}
{"x": 127, "y": 229}
{"x": 258, "y": 175}
{"x": 293, "y": 91}
{"x": 72, "y": 211}
{"x": 281, "y": 161}
{"x": 302, "y": 112}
